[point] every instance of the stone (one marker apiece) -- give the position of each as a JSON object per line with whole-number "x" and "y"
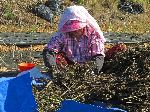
{"x": 130, "y": 7}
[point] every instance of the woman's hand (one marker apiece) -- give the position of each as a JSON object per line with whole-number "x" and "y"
{"x": 99, "y": 61}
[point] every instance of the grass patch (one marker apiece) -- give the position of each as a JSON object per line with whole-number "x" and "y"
{"x": 17, "y": 18}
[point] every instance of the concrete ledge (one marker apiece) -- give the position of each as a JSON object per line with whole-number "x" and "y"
{"x": 10, "y": 38}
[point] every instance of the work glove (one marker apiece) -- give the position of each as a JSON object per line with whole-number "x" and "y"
{"x": 98, "y": 61}
{"x": 49, "y": 59}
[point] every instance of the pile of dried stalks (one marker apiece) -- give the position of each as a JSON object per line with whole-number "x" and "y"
{"x": 123, "y": 83}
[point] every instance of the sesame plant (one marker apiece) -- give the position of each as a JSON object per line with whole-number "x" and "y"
{"x": 123, "y": 83}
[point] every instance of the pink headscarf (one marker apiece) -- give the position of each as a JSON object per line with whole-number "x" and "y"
{"x": 73, "y": 25}
{"x": 77, "y": 17}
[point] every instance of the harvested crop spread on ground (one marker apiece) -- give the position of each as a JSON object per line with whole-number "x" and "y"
{"x": 123, "y": 83}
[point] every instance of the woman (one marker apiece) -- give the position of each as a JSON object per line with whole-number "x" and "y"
{"x": 79, "y": 38}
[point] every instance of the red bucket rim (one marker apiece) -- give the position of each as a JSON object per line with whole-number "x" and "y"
{"x": 25, "y": 66}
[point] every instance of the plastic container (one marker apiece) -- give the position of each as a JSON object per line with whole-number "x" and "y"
{"x": 25, "y": 66}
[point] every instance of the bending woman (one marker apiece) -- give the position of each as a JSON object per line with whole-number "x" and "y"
{"x": 79, "y": 38}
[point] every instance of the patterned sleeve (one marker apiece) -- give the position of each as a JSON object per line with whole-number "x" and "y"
{"x": 56, "y": 43}
{"x": 97, "y": 44}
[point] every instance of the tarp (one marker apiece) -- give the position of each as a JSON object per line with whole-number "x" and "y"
{"x": 74, "y": 106}
{"x": 16, "y": 94}
{"x": 34, "y": 73}
{"x": 5, "y": 78}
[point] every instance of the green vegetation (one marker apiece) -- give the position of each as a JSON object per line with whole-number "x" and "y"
{"x": 94, "y": 1}
{"x": 123, "y": 83}
{"x": 8, "y": 14}
{"x": 142, "y": 1}
{"x": 17, "y": 18}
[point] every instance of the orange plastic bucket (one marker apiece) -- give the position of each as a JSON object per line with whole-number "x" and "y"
{"x": 26, "y": 66}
